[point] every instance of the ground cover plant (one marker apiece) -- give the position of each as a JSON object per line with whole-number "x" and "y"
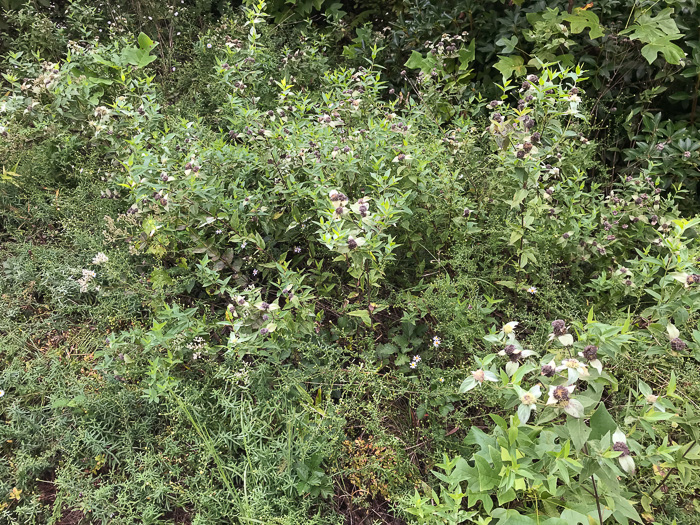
{"x": 327, "y": 263}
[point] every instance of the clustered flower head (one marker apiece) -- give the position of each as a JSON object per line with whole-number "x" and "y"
{"x": 560, "y": 396}
{"x": 436, "y": 341}
{"x": 677, "y": 344}
{"x": 620, "y": 445}
{"x": 196, "y": 346}
{"x": 574, "y": 368}
{"x": 590, "y": 354}
{"x": 514, "y": 353}
{"x": 558, "y": 327}
{"x": 88, "y": 275}
{"x": 528, "y": 402}
{"x": 100, "y": 258}
{"x": 549, "y": 369}
{"x": 509, "y": 327}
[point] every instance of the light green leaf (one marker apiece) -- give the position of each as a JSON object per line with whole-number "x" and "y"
{"x": 671, "y": 52}
{"x": 508, "y": 65}
{"x": 581, "y": 20}
{"x": 362, "y": 314}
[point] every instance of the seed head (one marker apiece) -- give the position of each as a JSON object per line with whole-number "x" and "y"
{"x": 558, "y": 327}
{"x": 548, "y": 371}
{"x": 590, "y": 352}
{"x": 677, "y": 344}
{"x": 621, "y": 447}
{"x": 561, "y": 393}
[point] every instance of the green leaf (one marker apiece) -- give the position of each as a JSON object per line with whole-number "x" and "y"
{"x": 671, "y": 52}
{"x": 578, "y": 431}
{"x": 508, "y": 44}
{"x": 508, "y": 65}
{"x": 160, "y": 278}
{"x": 507, "y": 496}
{"x": 362, "y": 314}
{"x": 417, "y": 61}
{"x": 657, "y": 32}
{"x": 145, "y": 43}
{"x": 511, "y": 517}
{"x": 488, "y": 476}
{"x": 466, "y": 56}
{"x": 581, "y": 20}
{"x": 601, "y": 423}
{"x": 671, "y": 384}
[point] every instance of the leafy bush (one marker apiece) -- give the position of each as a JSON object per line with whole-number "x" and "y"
{"x": 324, "y": 271}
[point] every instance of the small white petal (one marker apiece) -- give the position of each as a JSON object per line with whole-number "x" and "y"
{"x": 619, "y": 437}
{"x": 524, "y": 412}
{"x": 490, "y": 376}
{"x": 508, "y": 328}
{"x": 574, "y": 408}
{"x": 627, "y": 464}
{"x": 512, "y": 367}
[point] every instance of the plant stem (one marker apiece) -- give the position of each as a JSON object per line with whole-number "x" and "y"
{"x": 597, "y": 500}
{"x": 672, "y": 469}
{"x": 595, "y": 491}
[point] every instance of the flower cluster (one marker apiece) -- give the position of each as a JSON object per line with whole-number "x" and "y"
{"x": 88, "y": 275}
{"x": 414, "y": 362}
{"x": 100, "y": 258}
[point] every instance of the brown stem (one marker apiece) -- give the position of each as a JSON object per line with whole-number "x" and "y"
{"x": 595, "y": 491}
{"x": 695, "y": 100}
{"x": 671, "y": 470}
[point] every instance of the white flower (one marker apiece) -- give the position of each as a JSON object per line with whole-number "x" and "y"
{"x": 532, "y": 290}
{"x": 239, "y": 300}
{"x": 508, "y": 327}
{"x": 101, "y": 112}
{"x": 528, "y": 400}
{"x": 208, "y": 46}
{"x": 620, "y": 445}
{"x": 575, "y": 369}
{"x": 559, "y": 396}
{"x": 266, "y": 307}
{"x": 100, "y": 258}
{"x": 477, "y": 378}
{"x": 590, "y": 353}
{"x": 436, "y": 341}
{"x": 2, "y": 393}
